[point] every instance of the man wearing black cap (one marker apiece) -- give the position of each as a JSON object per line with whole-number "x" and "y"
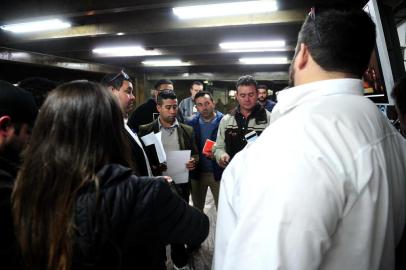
{"x": 17, "y": 115}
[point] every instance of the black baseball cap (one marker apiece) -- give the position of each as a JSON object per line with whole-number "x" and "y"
{"x": 17, "y": 103}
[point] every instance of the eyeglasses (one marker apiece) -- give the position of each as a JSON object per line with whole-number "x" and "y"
{"x": 312, "y": 15}
{"x": 121, "y": 73}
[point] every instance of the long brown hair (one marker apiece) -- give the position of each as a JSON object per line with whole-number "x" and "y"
{"x": 79, "y": 129}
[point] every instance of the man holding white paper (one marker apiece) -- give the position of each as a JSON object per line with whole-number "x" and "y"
{"x": 176, "y": 138}
{"x": 208, "y": 172}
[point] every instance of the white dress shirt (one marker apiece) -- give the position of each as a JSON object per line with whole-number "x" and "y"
{"x": 137, "y": 140}
{"x": 323, "y": 187}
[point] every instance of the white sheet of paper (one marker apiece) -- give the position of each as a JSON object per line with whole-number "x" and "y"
{"x": 176, "y": 162}
{"x": 155, "y": 139}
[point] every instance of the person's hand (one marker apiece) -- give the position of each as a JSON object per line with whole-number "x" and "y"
{"x": 191, "y": 164}
{"x": 224, "y": 160}
{"x": 168, "y": 179}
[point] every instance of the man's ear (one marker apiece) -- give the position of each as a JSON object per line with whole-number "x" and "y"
{"x": 302, "y": 57}
{"x": 158, "y": 108}
{"x": 5, "y": 125}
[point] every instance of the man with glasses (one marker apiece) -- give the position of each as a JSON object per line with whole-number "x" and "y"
{"x": 121, "y": 86}
{"x": 324, "y": 186}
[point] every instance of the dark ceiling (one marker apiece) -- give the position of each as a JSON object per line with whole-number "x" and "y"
{"x": 151, "y": 24}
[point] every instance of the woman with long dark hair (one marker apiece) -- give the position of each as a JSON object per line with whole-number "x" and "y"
{"x": 77, "y": 205}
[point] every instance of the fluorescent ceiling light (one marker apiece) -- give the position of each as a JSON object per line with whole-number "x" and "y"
{"x": 165, "y": 63}
{"x": 253, "y": 44}
{"x": 124, "y": 51}
{"x": 224, "y": 9}
{"x": 36, "y": 26}
{"x": 257, "y": 50}
{"x": 264, "y": 60}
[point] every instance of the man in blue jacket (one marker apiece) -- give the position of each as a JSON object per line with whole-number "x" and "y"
{"x": 208, "y": 173}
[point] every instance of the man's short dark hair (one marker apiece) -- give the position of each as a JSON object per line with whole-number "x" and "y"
{"x": 163, "y": 81}
{"x": 262, "y": 86}
{"x": 166, "y": 94}
{"x": 339, "y": 40}
{"x": 246, "y": 80}
{"x": 196, "y": 83}
{"x": 17, "y": 103}
{"x": 202, "y": 94}
{"x": 115, "y": 80}
{"x": 399, "y": 94}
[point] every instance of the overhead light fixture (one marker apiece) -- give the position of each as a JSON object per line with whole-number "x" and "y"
{"x": 245, "y": 46}
{"x": 264, "y": 60}
{"x": 224, "y": 9}
{"x": 165, "y": 63}
{"x": 122, "y": 51}
{"x": 36, "y": 26}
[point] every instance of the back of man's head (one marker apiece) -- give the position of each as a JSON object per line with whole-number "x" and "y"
{"x": 166, "y": 94}
{"x": 17, "y": 103}
{"x": 339, "y": 40}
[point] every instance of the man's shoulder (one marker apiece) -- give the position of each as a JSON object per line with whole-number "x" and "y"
{"x": 186, "y": 127}
{"x": 147, "y": 127}
{"x": 227, "y": 117}
{"x": 188, "y": 99}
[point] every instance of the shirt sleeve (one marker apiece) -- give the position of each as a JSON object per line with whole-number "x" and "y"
{"x": 219, "y": 147}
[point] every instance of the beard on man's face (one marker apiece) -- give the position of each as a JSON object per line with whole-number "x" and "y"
{"x": 292, "y": 74}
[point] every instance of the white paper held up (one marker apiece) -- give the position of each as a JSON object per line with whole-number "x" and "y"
{"x": 176, "y": 162}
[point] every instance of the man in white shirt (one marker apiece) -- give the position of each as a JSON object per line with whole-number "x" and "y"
{"x": 332, "y": 195}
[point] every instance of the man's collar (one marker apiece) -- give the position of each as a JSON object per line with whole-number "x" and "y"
{"x": 174, "y": 125}
{"x": 253, "y": 111}
{"x": 292, "y": 97}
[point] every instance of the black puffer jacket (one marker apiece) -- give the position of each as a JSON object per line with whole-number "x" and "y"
{"x": 132, "y": 221}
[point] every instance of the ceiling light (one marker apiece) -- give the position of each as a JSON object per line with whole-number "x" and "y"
{"x": 224, "y": 9}
{"x": 266, "y": 44}
{"x": 124, "y": 51}
{"x": 36, "y": 26}
{"x": 258, "y": 50}
{"x": 264, "y": 60}
{"x": 165, "y": 63}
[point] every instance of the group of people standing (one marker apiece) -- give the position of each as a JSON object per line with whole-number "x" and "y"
{"x": 319, "y": 183}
